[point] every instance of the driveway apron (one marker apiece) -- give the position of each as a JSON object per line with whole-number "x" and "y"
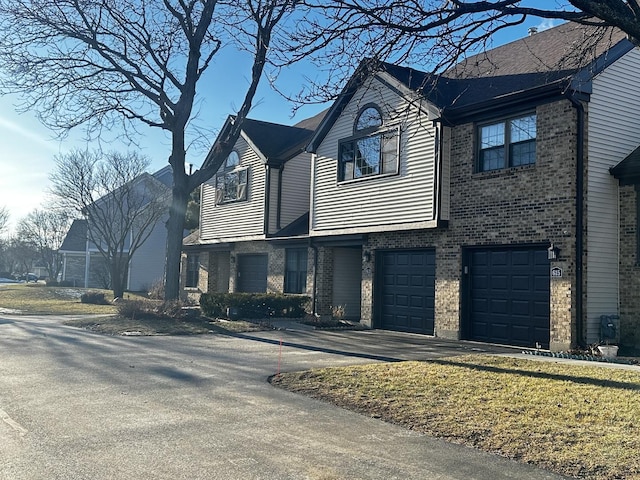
{"x": 78, "y": 405}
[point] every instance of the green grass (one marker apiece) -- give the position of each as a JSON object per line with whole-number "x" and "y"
{"x": 38, "y": 299}
{"x": 575, "y": 420}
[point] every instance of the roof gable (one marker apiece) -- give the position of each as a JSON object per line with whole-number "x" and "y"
{"x": 76, "y": 238}
{"x": 563, "y": 58}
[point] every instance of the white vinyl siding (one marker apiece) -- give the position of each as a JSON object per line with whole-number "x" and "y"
{"x": 296, "y": 179}
{"x": 376, "y": 203}
{"x": 274, "y": 188}
{"x": 347, "y": 281}
{"x": 147, "y": 263}
{"x": 236, "y": 220}
{"x": 613, "y": 132}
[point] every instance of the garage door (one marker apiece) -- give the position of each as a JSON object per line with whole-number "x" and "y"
{"x": 252, "y": 273}
{"x": 406, "y": 290}
{"x": 509, "y": 296}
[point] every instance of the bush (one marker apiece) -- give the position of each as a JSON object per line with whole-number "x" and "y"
{"x": 151, "y": 309}
{"x": 94, "y": 298}
{"x": 51, "y": 283}
{"x": 156, "y": 291}
{"x": 254, "y": 305}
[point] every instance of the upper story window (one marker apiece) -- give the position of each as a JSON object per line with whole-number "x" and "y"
{"x": 371, "y": 151}
{"x": 508, "y": 143}
{"x": 231, "y": 180}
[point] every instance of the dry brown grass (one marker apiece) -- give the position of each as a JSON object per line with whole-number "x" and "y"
{"x": 161, "y": 326}
{"x": 575, "y": 420}
{"x": 38, "y": 299}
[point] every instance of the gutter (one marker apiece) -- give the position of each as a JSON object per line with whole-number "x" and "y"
{"x": 579, "y": 218}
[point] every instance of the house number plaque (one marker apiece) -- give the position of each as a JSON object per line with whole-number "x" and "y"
{"x": 556, "y": 272}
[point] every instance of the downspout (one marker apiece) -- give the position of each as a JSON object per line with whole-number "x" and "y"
{"x": 437, "y": 195}
{"x": 279, "y": 210}
{"x": 267, "y": 196}
{"x": 314, "y": 288}
{"x": 579, "y": 219}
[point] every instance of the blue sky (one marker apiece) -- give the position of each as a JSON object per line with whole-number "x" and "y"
{"x": 28, "y": 148}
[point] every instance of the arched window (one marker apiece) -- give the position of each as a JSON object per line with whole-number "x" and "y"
{"x": 232, "y": 161}
{"x": 369, "y": 117}
{"x": 372, "y": 150}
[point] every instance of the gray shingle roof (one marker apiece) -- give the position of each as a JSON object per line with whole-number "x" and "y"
{"x": 628, "y": 170}
{"x": 280, "y": 142}
{"x": 552, "y": 62}
{"x": 76, "y": 239}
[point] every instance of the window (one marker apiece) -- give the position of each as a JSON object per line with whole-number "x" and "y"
{"x": 371, "y": 151}
{"x": 231, "y": 181}
{"x": 295, "y": 274}
{"x": 193, "y": 270}
{"x": 509, "y": 143}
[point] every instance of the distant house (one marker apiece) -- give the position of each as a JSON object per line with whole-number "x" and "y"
{"x": 497, "y": 202}
{"x": 84, "y": 266}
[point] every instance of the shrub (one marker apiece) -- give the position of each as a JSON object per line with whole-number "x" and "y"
{"x": 151, "y": 309}
{"x": 51, "y": 283}
{"x": 156, "y": 291}
{"x": 254, "y": 305}
{"x": 94, "y": 298}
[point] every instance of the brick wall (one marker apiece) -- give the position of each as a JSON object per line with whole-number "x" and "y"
{"x": 518, "y": 206}
{"x": 629, "y": 271}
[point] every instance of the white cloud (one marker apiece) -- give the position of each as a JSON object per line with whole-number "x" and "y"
{"x": 545, "y": 24}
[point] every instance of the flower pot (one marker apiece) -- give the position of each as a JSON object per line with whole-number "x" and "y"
{"x": 608, "y": 351}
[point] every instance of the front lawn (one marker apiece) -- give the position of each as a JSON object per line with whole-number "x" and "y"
{"x": 575, "y": 420}
{"x": 39, "y": 299}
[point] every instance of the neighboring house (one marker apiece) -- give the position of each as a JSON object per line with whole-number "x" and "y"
{"x": 254, "y": 221}
{"x": 478, "y": 204}
{"x": 84, "y": 266}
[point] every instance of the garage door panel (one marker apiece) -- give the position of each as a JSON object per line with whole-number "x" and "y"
{"x": 252, "y": 273}
{"x": 406, "y": 293}
{"x": 514, "y": 283}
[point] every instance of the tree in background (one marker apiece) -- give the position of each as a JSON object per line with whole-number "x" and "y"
{"x": 46, "y": 230}
{"x": 20, "y": 256}
{"x": 117, "y": 63}
{"x": 4, "y": 219}
{"x": 120, "y": 201}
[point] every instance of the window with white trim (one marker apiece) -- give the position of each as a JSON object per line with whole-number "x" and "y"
{"x": 507, "y": 143}
{"x": 373, "y": 150}
{"x": 231, "y": 180}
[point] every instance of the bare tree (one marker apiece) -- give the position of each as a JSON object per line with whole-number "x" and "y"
{"x": 435, "y": 34}
{"x": 4, "y": 218}
{"x": 46, "y": 229}
{"x": 121, "y": 202}
{"x": 20, "y": 256}
{"x": 126, "y": 63}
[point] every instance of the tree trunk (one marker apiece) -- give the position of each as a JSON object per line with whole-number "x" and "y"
{"x": 177, "y": 213}
{"x": 175, "y": 229}
{"x": 117, "y": 284}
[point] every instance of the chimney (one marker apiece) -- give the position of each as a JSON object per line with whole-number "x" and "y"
{"x": 533, "y": 30}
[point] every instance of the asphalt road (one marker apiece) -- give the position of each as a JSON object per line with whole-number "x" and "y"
{"x": 77, "y": 405}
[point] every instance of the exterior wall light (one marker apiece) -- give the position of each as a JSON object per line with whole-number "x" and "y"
{"x": 366, "y": 256}
{"x": 553, "y": 252}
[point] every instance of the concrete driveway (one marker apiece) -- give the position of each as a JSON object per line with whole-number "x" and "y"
{"x": 77, "y": 405}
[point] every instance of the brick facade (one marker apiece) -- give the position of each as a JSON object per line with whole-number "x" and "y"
{"x": 530, "y": 205}
{"x": 629, "y": 270}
